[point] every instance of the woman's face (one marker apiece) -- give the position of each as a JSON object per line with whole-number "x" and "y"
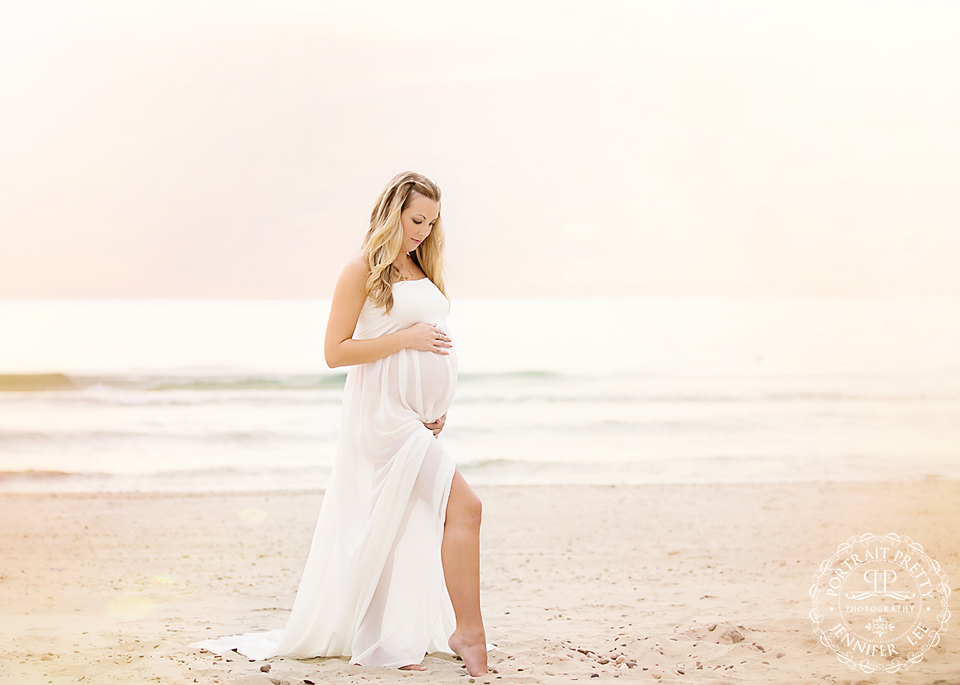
{"x": 417, "y": 219}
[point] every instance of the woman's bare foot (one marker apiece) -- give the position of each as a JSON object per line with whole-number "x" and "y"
{"x": 413, "y": 667}
{"x": 473, "y": 651}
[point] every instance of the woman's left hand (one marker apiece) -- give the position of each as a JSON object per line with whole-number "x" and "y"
{"x": 437, "y": 425}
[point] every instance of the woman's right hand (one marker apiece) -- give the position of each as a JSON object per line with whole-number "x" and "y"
{"x": 426, "y": 337}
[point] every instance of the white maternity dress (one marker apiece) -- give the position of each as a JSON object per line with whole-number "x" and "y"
{"x": 373, "y": 586}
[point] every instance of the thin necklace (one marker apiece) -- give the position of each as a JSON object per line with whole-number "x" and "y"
{"x": 409, "y": 270}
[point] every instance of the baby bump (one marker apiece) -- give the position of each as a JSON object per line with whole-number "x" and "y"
{"x": 431, "y": 382}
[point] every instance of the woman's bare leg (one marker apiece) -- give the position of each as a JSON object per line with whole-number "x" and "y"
{"x": 460, "y": 552}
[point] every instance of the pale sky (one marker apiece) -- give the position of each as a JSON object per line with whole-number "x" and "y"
{"x": 234, "y": 149}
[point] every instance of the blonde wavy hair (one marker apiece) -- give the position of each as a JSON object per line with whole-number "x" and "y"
{"x": 384, "y": 239}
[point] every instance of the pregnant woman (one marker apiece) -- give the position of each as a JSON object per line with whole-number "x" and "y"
{"x": 394, "y": 569}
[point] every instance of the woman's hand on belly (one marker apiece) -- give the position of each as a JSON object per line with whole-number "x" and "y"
{"x": 436, "y": 426}
{"x": 427, "y": 337}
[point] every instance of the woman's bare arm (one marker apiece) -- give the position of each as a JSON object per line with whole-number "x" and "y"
{"x": 339, "y": 347}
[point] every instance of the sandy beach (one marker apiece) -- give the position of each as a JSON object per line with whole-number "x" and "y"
{"x": 111, "y": 588}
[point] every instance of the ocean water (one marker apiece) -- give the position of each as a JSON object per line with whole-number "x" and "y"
{"x": 201, "y": 395}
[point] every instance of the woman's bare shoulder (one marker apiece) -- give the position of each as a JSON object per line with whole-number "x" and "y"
{"x": 352, "y": 283}
{"x": 355, "y": 271}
